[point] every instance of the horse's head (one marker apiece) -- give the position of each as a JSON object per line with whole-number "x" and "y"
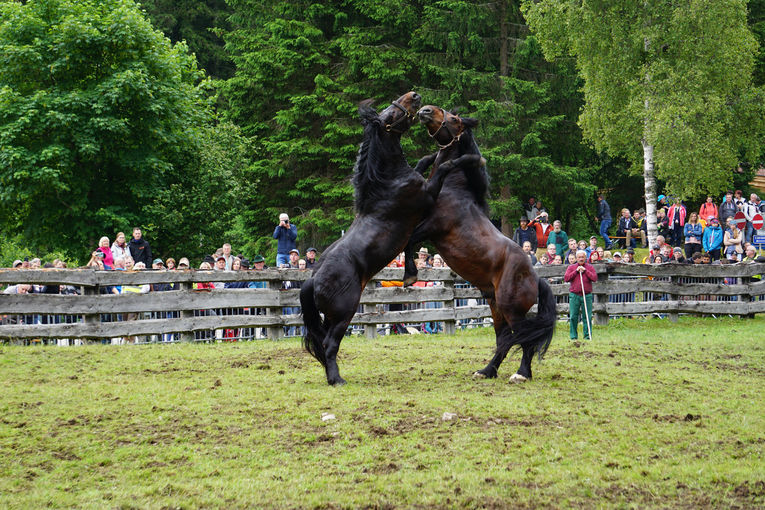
{"x": 396, "y": 118}
{"x": 444, "y": 127}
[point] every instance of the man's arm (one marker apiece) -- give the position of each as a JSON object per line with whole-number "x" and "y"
{"x": 292, "y": 232}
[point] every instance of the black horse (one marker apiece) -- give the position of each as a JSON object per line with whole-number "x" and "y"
{"x": 391, "y": 198}
{"x": 472, "y": 246}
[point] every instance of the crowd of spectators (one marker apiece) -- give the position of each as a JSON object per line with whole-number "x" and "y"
{"x": 681, "y": 234}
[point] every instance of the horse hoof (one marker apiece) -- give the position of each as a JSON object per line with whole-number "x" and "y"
{"x": 483, "y": 162}
{"x": 483, "y": 374}
{"x": 409, "y": 280}
{"x": 337, "y": 382}
{"x": 479, "y": 375}
{"x": 517, "y": 379}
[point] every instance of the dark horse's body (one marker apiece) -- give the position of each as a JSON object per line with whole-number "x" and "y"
{"x": 471, "y": 245}
{"x": 391, "y": 199}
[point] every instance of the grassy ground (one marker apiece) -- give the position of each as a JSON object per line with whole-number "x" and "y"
{"x": 650, "y": 414}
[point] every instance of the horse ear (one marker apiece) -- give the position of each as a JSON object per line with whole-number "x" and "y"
{"x": 367, "y": 111}
{"x": 469, "y": 122}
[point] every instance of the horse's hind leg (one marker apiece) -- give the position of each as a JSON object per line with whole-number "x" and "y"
{"x": 524, "y": 371}
{"x": 503, "y": 332}
{"x": 331, "y": 347}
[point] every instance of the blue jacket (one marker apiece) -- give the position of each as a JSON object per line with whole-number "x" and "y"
{"x": 712, "y": 238}
{"x": 286, "y": 238}
{"x": 692, "y": 230}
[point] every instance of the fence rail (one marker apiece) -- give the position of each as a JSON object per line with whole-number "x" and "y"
{"x": 188, "y": 314}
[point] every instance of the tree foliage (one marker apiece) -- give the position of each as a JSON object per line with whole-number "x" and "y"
{"x": 677, "y": 75}
{"x": 99, "y": 112}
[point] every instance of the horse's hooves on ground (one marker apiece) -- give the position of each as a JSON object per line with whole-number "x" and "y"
{"x": 337, "y": 382}
{"x": 483, "y": 374}
{"x": 479, "y": 375}
{"x": 517, "y": 379}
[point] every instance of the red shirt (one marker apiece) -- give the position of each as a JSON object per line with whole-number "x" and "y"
{"x": 589, "y": 276}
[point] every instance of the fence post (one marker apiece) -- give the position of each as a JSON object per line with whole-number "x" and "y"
{"x": 747, "y": 298}
{"x": 674, "y": 282}
{"x": 187, "y": 336}
{"x": 370, "y": 330}
{"x": 601, "y": 318}
{"x": 91, "y": 318}
{"x": 450, "y": 326}
{"x": 275, "y": 332}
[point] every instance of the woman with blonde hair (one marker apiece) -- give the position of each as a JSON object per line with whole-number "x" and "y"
{"x": 733, "y": 240}
{"x": 103, "y": 246}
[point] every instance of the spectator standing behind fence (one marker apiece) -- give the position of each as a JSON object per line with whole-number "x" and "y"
{"x": 228, "y": 256}
{"x": 751, "y": 208}
{"x": 693, "y": 232}
{"x": 103, "y": 246}
{"x": 676, "y": 218}
{"x": 542, "y": 228}
{"x": 733, "y": 241}
{"x": 139, "y": 248}
{"x": 537, "y": 209}
{"x": 604, "y": 217}
{"x": 529, "y": 252}
{"x": 662, "y": 223}
{"x": 712, "y": 239}
{"x": 120, "y": 247}
{"x": 727, "y": 208}
{"x": 559, "y": 238}
{"x": 579, "y": 295}
{"x": 523, "y": 233}
{"x": 310, "y": 258}
{"x": 286, "y": 235}
{"x": 709, "y": 208}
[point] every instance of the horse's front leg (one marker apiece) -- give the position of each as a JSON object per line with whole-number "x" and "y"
{"x": 436, "y": 182}
{"x": 410, "y": 264}
{"x": 424, "y": 163}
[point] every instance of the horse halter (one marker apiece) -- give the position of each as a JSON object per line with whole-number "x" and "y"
{"x": 445, "y": 125}
{"x": 407, "y": 116}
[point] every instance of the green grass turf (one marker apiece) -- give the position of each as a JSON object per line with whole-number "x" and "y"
{"x": 649, "y": 414}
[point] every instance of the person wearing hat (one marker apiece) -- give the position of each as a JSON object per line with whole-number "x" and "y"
{"x": 183, "y": 263}
{"x": 662, "y": 203}
{"x": 629, "y": 256}
{"x": 220, "y": 263}
{"x": 157, "y": 264}
{"x": 677, "y": 256}
{"x": 523, "y": 233}
{"x": 17, "y": 264}
{"x": 712, "y": 239}
{"x": 617, "y": 256}
{"x": 423, "y": 257}
{"x": 286, "y": 234}
{"x": 592, "y": 247}
{"x": 310, "y": 258}
{"x": 294, "y": 258}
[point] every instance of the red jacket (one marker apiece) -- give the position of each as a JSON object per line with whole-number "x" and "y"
{"x": 542, "y": 233}
{"x": 589, "y": 276}
{"x": 706, "y": 210}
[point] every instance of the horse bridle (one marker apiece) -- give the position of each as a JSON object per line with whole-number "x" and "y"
{"x": 407, "y": 116}
{"x": 445, "y": 125}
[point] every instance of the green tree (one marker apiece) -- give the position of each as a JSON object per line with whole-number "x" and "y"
{"x": 96, "y": 110}
{"x": 199, "y": 24}
{"x": 666, "y": 80}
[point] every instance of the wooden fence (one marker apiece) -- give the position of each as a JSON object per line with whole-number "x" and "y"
{"x": 188, "y": 314}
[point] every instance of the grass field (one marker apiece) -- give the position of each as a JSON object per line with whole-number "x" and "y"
{"x": 649, "y": 414}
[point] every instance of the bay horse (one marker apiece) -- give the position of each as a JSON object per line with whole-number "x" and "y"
{"x": 471, "y": 245}
{"x": 391, "y": 198}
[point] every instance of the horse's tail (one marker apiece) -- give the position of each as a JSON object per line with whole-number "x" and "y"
{"x": 538, "y": 331}
{"x": 313, "y": 340}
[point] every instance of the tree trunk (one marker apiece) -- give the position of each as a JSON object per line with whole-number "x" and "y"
{"x": 650, "y": 192}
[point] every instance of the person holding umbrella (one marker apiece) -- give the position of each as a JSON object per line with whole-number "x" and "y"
{"x": 580, "y": 275}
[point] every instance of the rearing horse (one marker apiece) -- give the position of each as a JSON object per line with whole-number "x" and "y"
{"x": 391, "y": 198}
{"x": 471, "y": 245}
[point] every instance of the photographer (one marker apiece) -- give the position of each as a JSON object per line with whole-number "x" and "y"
{"x": 286, "y": 234}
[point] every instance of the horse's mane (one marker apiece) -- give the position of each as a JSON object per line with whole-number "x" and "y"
{"x": 370, "y": 178}
{"x": 477, "y": 179}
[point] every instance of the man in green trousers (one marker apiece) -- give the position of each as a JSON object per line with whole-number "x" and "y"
{"x": 580, "y": 275}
